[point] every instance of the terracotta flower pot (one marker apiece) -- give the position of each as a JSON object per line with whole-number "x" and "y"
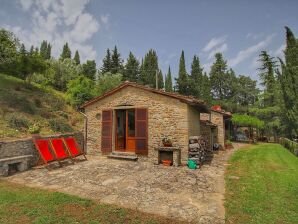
{"x": 167, "y": 162}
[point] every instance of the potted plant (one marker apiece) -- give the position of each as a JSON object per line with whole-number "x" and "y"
{"x": 167, "y": 141}
{"x": 228, "y": 144}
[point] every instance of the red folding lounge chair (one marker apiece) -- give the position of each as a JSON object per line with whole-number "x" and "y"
{"x": 73, "y": 147}
{"x": 44, "y": 149}
{"x": 59, "y": 149}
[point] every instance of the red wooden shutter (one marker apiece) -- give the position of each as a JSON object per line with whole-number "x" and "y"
{"x": 106, "y": 132}
{"x": 142, "y": 131}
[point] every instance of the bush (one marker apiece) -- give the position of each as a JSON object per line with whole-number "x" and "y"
{"x": 17, "y": 121}
{"x": 34, "y": 129}
{"x": 59, "y": 125}
{"x": 20, "y": 103}
{"x": 290, "y": 145}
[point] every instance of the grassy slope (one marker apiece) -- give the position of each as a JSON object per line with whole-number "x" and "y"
{"x": 35, "y": 104}
{"x": 19, "y": 204}
{"x": 267, "y": 191}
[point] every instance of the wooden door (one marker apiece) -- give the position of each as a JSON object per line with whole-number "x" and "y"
{"x": 120, "y": 135}
{"x": 141, "y": 131}
{"x": 106, "y": 132}
{"x": 130, "y": 130}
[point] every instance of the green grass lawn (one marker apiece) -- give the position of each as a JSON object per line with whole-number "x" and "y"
{"x": 19, "y": 204}
{"x": 267, "y": 188}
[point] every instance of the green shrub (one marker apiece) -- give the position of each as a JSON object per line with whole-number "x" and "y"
{"x": 20, "y": 103}
{"x": 17, "y": 121}
{"x": 34, "y": 129}
{"x": 59, "y": 125}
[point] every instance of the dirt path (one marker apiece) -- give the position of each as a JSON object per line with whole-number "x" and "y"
{"x": 176, "y": 192}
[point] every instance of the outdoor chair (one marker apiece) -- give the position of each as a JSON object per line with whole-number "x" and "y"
{"x": 60, "y": 150}
{"x": 44, "y": 149}
{"x": 73, "y": 147}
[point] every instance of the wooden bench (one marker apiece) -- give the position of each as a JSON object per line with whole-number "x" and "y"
{"x": 20, "y": 163}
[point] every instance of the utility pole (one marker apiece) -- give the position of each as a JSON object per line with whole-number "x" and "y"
{"x": 156, "y": 79}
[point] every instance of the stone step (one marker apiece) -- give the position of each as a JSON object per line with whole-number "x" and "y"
{"x": 123, "y": 155}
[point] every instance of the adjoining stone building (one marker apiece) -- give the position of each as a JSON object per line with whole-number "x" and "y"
{"x": 133, "y": 119}
{"x": 215, "y": 125}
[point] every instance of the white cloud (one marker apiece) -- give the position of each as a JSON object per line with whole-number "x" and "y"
{"x": 214, "y": 42}
{"x": 220, "y": 49}
{"x": 254, "y": 36}
{"x": 248, "y": 52}
{"x": 279, "y": 52}
{"x": 60, "y": 21}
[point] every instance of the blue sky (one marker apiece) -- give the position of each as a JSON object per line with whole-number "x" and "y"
{"x": 238, "y": 29}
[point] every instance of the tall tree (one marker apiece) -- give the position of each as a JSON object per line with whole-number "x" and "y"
{"x": 168, "y": 81}
{"x": 206, "y": 88}
{"x": 288, "y": 77}
{"x": 43, "y": 49}
{"x": 24, "y": 67}
{"x": 131, "y": 69}
{"x": 77, "y": 58}
{"x": 160, "y": 80}
{"x": 247, "y": 91}
{"x": 149, "y": 68}
{"x": 116, "y": 62}
{"x": 217, "y": 76}
{"x": 196, "y": 78}
{"x": 66, "y": 53}
{"x": 49, "y": 51}
{"x": 182, "y": 82}
{"x": 89, "y": 69}
{"x": 106, "y": 63}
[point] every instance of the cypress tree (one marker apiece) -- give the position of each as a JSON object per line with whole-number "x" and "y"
{"x": 66, "y": 53}
{"x": 217, "y": 77}
{"x": 182, "y": 80}
{"x": 116, "y": 62}
{"x": 160, "y": 80}
{"x": 43, "y": 49}
{"x": 89, "y": 69}
{"x": 106, "y": 63}
{"x": 288, "y": 77}
{"x": 131, "y": 69}
{"x": 168, "y": 81}
{"x": 77, "y": 58}
{"x": 196, "y": 78}
{"x": 149, "y": 68}
{"x": 49, "y": 51}
{"x": 24, "y": 61}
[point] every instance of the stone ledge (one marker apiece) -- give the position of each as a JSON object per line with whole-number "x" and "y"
{"x": 16, "y": 158}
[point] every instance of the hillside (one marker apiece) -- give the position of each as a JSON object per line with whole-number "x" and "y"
{"x": 30, "y": 108}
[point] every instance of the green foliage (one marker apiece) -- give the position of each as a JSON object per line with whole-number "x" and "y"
{"x": 17, "y": 121}
{"x": 89, "y": 69}
{"x": 79, "y": 90}
{"x": 168, "y": 81}
{"x": 288, "y": 77}
{"x": 107, "y": 82}
{"x": 149, "y": 68}
{"x": 217, "y": 76}
{"x": 290, "y": 145}
{"x": 77, "y": 58}
{"x": 45, "y": 50}
{"x": 182, "y": 82}
{"x": 59, "y": 125}
{"x": 160, "y": 80}
{"x": 247, "y": 121}
{"x": 66, "y": 53}
{"x": 34, "y": 129}
{"x": 199, "y": 84}
{"x": 116, "y": 62}
{"x": 247, "y": 92}
{"x": 131, "y": 69}
{"x": 106, "y": 63}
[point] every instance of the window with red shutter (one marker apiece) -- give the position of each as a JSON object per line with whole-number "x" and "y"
{"x": 106, "y": 133}
{"x": 141, "y": 131}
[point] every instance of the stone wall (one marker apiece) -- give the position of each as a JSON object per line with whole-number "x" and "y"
{"x": 166, "y": 116}
{"x": 218, "y": 119}
{"x": 193, "y": 121}
{"x": 206, "y": 133}
{"x": 26, "y": 146}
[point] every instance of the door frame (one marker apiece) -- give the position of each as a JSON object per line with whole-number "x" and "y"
{"x": 127, "y": 138}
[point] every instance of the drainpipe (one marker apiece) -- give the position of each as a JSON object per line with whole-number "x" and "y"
{"x": 85, "y": 131}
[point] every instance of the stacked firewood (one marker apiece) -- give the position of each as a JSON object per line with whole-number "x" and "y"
{"x": 197, "y": 149}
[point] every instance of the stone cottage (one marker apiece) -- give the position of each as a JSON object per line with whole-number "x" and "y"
{"x": 132, "y": 119}
{"x": 215, "y": 126}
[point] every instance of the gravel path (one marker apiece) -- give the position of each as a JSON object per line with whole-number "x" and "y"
{"x": 176, "y": 192}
